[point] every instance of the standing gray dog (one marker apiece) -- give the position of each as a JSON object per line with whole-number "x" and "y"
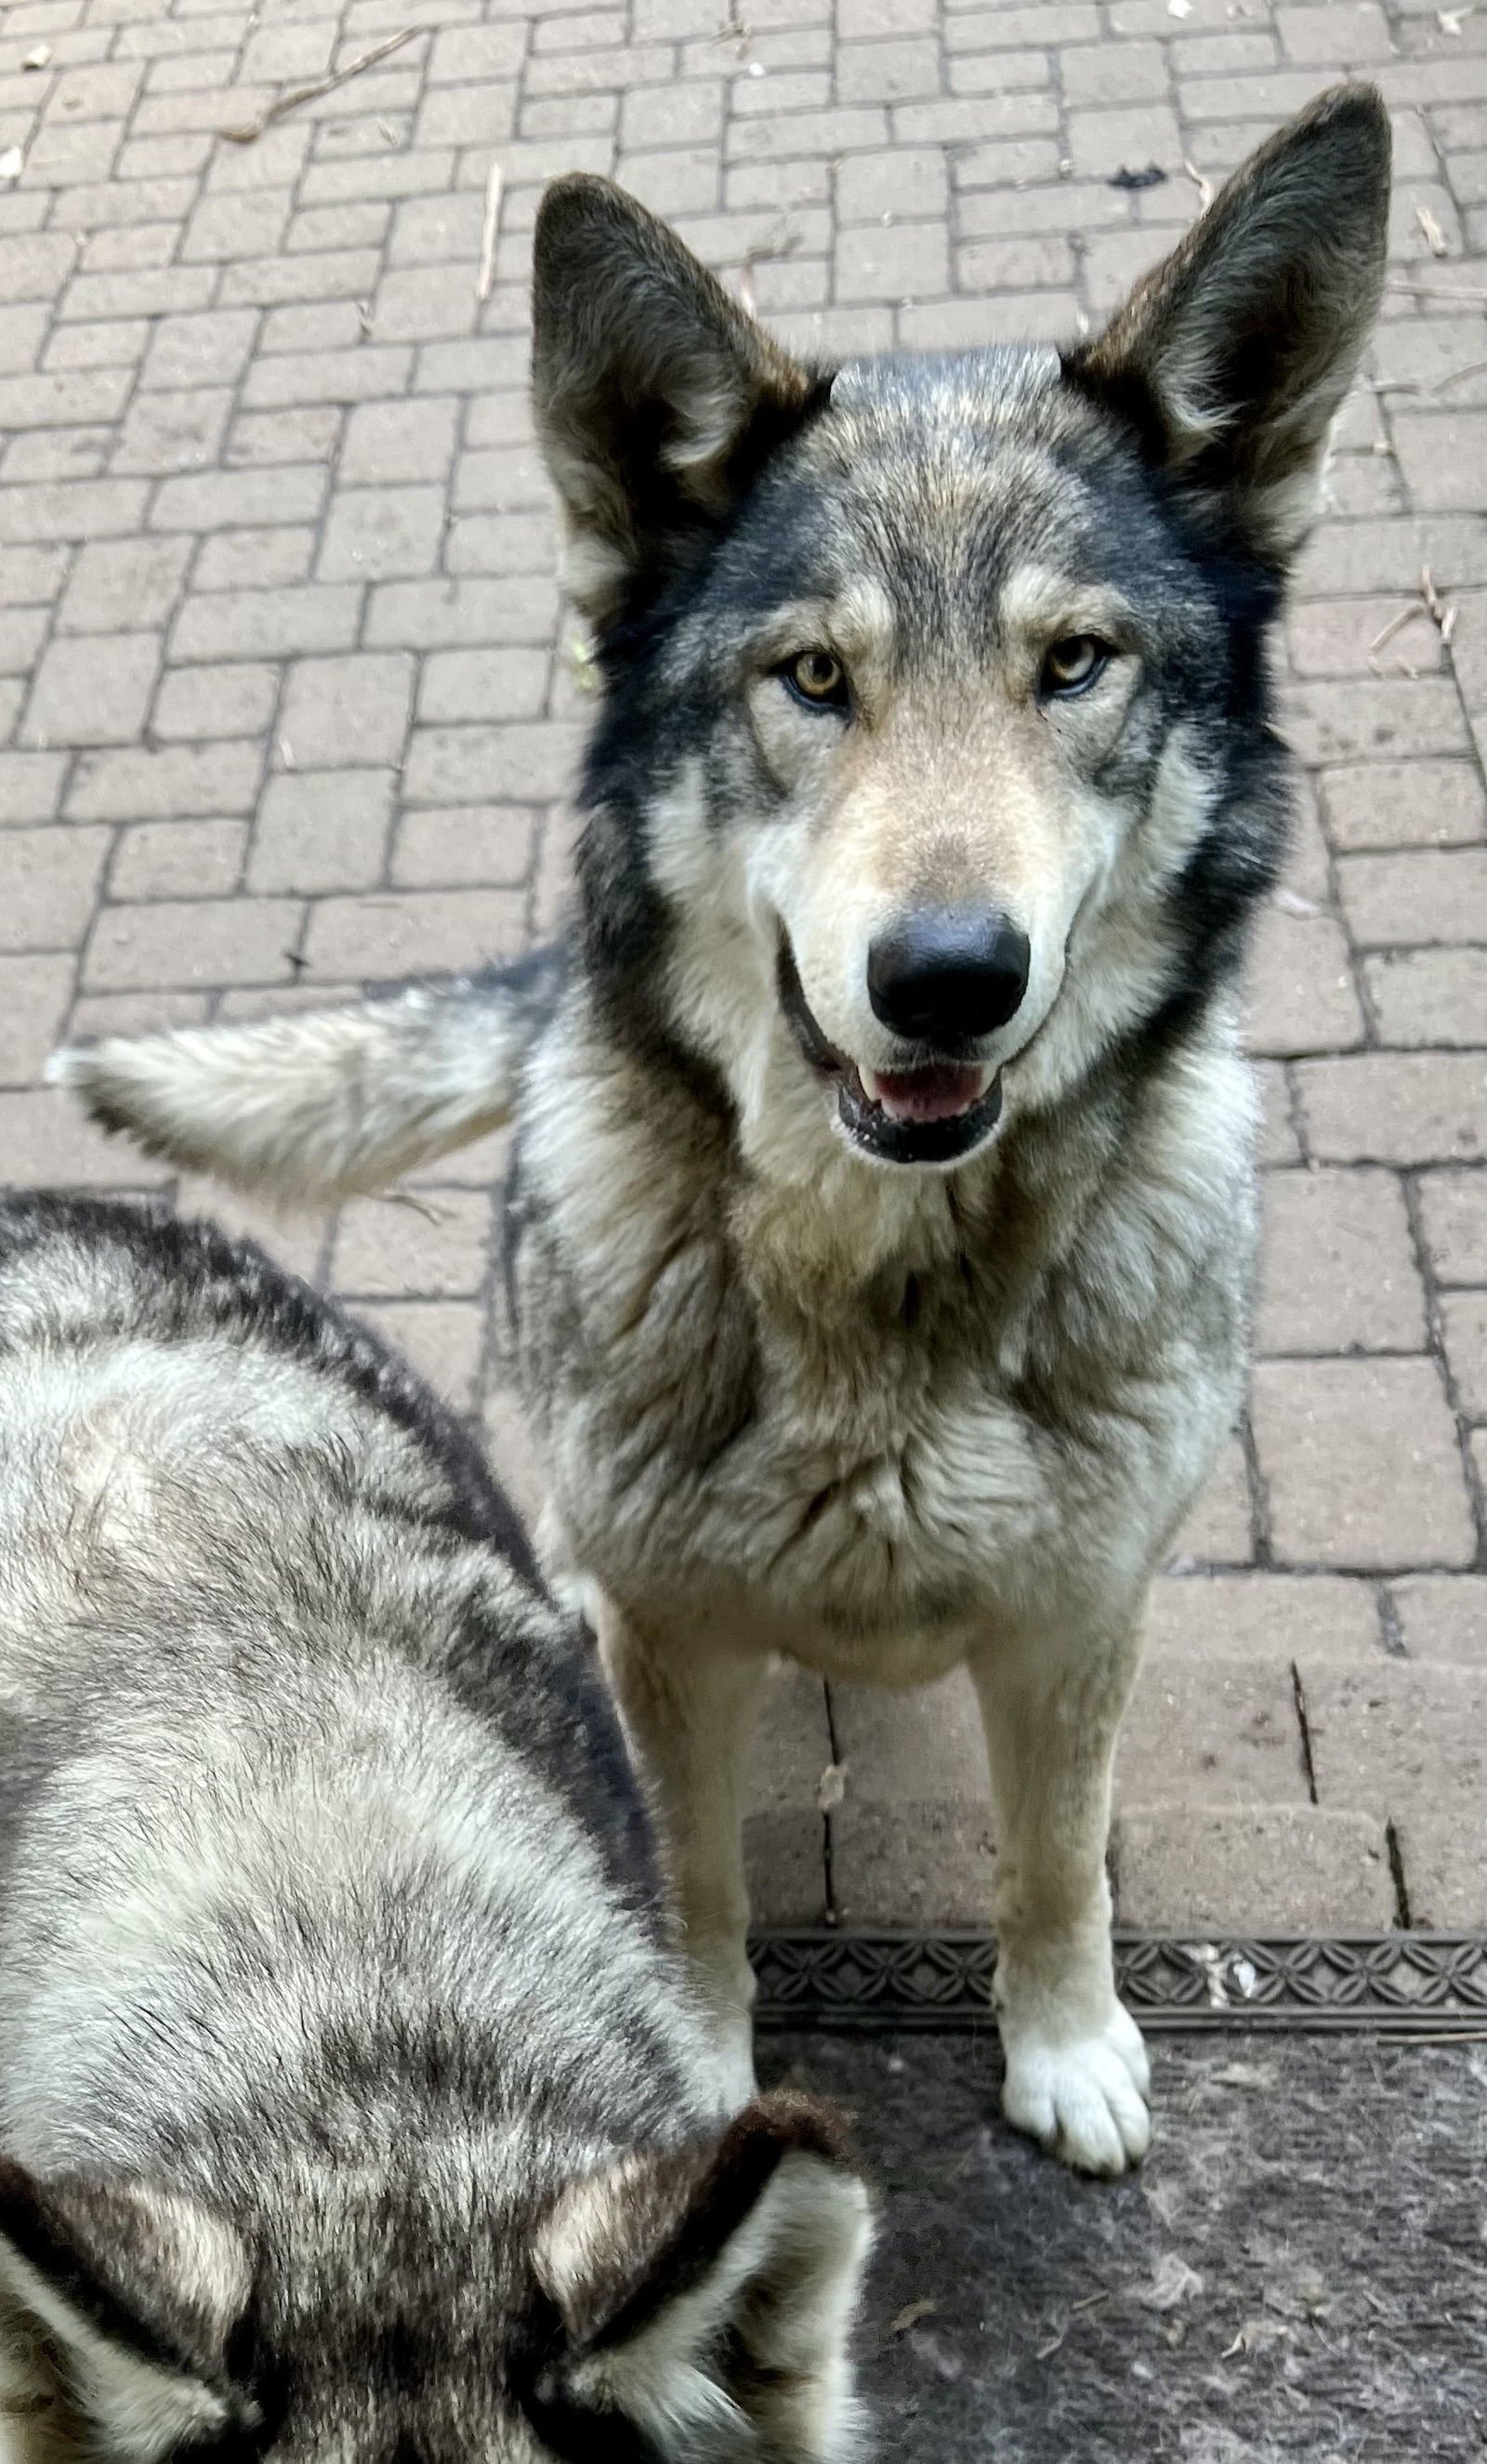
{"x": 351, "y": 2104}
{"x": 881, "y": 1248}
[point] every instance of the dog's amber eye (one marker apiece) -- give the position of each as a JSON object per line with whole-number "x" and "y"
{"x": 1073, "y": 663}
{"x": 819, "y": 678}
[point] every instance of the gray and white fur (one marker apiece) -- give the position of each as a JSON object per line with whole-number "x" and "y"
{"x": 353, "y": 2104}
{"x": 880, "y": 1249}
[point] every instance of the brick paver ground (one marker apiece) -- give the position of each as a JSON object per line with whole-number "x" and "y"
{"x": 285, "y": 704}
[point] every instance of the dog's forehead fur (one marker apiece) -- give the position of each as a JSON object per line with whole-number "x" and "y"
{"x": 936, "y": 506}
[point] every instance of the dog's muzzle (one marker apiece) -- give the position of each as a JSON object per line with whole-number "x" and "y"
{"x": 935, "y": 1111}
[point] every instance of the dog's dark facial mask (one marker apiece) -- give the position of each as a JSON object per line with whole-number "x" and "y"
{"x": 934, "y": 751}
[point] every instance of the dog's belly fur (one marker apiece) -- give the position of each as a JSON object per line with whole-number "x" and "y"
{"x": 873, "y": 1461}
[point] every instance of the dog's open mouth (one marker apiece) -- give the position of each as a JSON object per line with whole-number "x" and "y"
{"x": 934, "y": 1113}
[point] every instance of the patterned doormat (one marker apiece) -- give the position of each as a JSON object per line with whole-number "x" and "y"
{"x": 1405, "y": 1983}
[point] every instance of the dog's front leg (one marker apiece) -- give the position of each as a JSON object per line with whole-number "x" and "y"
{"x": 690, "y": 1707}
{"x": 1076, "y": 2068}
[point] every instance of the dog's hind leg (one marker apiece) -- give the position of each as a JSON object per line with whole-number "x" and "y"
{"x": 1076, "y": 2068}
{"x": 690, "y": 1707}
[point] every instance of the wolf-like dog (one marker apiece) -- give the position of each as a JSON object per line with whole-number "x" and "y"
{"x": 353, "y": 2104}
{"x": 880, "y": 1243}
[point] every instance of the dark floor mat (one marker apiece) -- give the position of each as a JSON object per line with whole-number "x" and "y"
{"x": 1299, "y": 2269}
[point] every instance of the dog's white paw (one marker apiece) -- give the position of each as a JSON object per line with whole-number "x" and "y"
{"x": 1084, "y": 2098}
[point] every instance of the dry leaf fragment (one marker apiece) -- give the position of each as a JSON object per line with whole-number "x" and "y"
{"x": 38, "y": 58}
{"x": 1434, "y": 237}
{"x": 581, "y": 664}
{"x": 911, "y": 2315}
{"x": 831, "y": 1788}
{"x": 1173, "y": 2282}
{"x": 12, "y": 163}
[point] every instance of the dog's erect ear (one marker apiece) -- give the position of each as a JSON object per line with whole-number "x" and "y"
{"x": 135, "y": 2291}
{"x": 657, "y": 397}
{"x": 1234, "y": 354}
{"x": 706, "y": 2298}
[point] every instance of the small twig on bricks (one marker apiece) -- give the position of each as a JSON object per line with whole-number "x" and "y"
{"x": 486, "y": 277}
{"x": 1438, "y": 291}
{"x": 1395, "y": 624}
{"x": 1443, "y": 618}
{"x": 245, "y": 134}
{"x": 1473, "y": 368}
{"x": 1440, "y": 2036}
{"x": 1204, "y": 188}
{"x": 1430, "y": 231}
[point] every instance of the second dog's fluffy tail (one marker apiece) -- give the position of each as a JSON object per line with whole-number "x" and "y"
{"x": 323, "y": 1104}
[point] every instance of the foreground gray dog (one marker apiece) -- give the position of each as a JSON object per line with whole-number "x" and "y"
{"x": 880, "y": 1249}
{"x": 350, "y": 2106}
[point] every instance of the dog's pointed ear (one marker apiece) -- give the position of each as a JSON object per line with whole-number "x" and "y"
{"x": 657, "y": 398}
{"x": 706, "y": 2298}
{"x": 135, "y": 2291}
{"x": 1234, "y": 354}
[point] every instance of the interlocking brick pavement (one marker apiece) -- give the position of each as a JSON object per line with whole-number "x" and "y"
{"x": 285, "y": 705}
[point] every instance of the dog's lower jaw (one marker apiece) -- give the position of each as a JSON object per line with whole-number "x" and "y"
{"x": 1077, "y": 2073}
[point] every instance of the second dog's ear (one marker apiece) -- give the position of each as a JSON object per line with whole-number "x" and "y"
{"x": 1232, "y": 357}
{"x": 135, "y": 2291}
{"x": 657, "y": 397}
{"x": 705, "y": 2300}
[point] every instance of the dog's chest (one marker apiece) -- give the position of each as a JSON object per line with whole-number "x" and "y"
{"x": 848, "y": 1467}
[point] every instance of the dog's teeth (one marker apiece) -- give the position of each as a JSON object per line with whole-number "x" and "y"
{"x": 937, "y": 1092}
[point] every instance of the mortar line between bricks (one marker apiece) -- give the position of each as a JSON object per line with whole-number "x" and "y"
{"x": 1435, "y": 1319}
{"x": 1296, "y": 1115}
{"x": 1388, "y": 412}
{"x": 1436, "y": 1347}
{"x": 832, "y": 1906}
{"x": 1258, "y": 1487}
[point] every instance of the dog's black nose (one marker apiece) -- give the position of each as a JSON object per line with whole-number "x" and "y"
{"x": 945, "y": 976}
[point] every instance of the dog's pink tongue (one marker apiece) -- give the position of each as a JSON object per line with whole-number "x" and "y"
{"x": 935, "y": 1093}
